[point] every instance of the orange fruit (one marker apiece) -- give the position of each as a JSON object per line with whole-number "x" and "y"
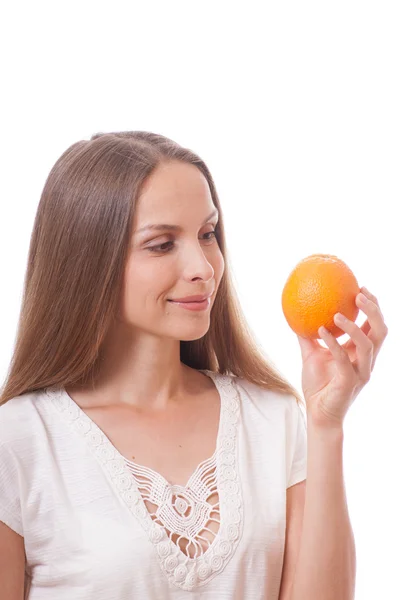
{"x": 319, "y": 286}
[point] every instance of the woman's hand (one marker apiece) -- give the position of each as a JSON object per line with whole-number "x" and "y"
{"x": 333, "y": 377}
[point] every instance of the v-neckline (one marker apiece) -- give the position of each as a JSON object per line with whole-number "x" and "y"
{"x": 157, "y": 474}
{"x": 187, "y": 572}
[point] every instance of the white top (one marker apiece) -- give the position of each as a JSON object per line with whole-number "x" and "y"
{"x": 90, "y": 534}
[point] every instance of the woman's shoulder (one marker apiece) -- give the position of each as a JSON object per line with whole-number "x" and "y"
{"x": 259, "y": 393}
{"x": 18, "y": 417}
{"x": 268, "y": 403}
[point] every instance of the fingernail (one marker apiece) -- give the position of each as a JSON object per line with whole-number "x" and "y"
{"x": 363, "y": 299}
{"x": 339, "y": 318}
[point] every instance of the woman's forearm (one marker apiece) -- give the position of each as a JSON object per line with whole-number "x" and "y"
{"x": 326, "y": 565}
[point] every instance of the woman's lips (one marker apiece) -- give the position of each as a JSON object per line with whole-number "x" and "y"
{"x": 193, "y": 305}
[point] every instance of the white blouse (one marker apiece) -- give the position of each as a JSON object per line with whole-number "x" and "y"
{"x": 99, "y": 527}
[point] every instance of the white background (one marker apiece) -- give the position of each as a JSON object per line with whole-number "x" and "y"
{"x": 295, "y": 108}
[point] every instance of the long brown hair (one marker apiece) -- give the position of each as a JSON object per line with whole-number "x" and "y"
{"x": 77, "y": 255}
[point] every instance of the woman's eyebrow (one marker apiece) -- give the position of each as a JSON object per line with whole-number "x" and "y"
{"x": 155, "y": 227}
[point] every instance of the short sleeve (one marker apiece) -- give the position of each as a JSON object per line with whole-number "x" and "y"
{"x": 10, "y": 505}
{"x": 297, "y": 445}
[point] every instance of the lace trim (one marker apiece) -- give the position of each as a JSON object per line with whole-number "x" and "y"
{"x": 186, "y": 511}
{"x": 181, "y": 570}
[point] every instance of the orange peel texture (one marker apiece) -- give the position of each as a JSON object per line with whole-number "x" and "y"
{"x": 319, "y": 286}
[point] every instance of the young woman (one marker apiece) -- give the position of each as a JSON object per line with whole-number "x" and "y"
{"x": 148, "y": 449}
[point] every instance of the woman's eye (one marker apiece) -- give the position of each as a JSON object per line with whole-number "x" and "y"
{"x": 160, "y": 247}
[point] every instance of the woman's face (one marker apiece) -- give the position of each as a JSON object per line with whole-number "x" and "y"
{"x": 168, "y": 264}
